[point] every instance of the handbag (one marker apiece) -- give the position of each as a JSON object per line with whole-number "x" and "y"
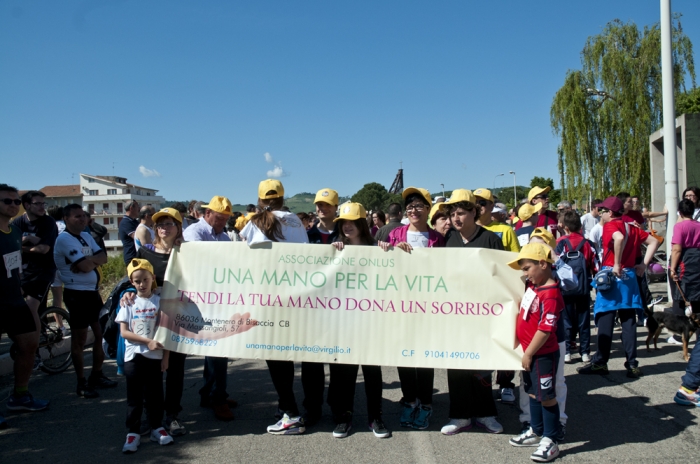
{"x": 604, "y": 278}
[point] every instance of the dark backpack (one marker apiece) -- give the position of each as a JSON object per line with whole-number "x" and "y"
{"x": 577, "y": 261}
{"x": 108, "y": 314}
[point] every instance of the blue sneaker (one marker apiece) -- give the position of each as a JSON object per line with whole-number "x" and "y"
{"x": 692, "y": 399}
{"x": 3, "y": 422}
{"x": 408, "y": 414}
{"x": 26, "y": 403}
{"x": 420, "y": 420}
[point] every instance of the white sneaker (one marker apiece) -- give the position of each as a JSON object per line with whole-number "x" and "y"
{"x": 287, "y": 426}
{"x": 586, "y": 358}
{"x": 161, "y": 437}
{"x": 546, "y": 451}
{"x": 133, "y": 440}
{"x": 672, "y": 340}
{"x": 526, "y": 438}
{"x": 507, "y": 396}
{"x": 490, "y": 424}
{"x": 567, "y": 358}
{"x": 455, "y": 426}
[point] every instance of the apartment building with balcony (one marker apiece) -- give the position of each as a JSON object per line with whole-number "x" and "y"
{"x": 105, "y": 197}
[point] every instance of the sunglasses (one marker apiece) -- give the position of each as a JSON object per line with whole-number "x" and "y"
{"x": 9, "y": 201}
{"x": 165, "y": 225}
{"x": 542, "y": 197}
{"x": 482, "y": 202}
{"x": 603, "y": 210}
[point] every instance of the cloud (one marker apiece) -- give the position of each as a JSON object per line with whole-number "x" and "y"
{"x": 145, "y": 172}
{"x": 268, "y": 157}
{"x": 277, "y": 171}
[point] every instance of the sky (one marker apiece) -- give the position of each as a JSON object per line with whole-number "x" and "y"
{"x": 203, "y": 98}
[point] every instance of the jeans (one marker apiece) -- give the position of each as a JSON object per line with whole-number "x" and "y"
{"x": 144, "y": 381}
{"x": 606, "y": 323}
{"x": 121, "y": 350}
{"x": 691, "y": 379}
{"x": 215, "y": 372}
{"x": 577, "y": 318}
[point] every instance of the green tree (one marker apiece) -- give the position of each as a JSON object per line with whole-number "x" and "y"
{"x": 688, "y": 102}
{"x": 374, "y": 196}
{"x": 605, "y": 111}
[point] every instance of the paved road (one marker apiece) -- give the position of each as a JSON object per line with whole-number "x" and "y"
{"x": 612, "y": 419}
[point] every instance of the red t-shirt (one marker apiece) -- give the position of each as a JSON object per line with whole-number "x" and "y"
{"x": 541, "y": 314}
{"x": 634, "y": 242}
{"x": 634, "y": 216}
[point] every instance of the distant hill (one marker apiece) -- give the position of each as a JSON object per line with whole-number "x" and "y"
{"x": 301, "y": 202}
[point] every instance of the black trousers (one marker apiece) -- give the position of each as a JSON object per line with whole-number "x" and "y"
{"x": 215, "y": 373}
{"x": 470, "y": 394}
{"x": 341, "y": 390}
{"x": 174, "y": 383}
{"x": 313, "y": 379}
{"x": 417, "y": 382}
{"x": 504, "y": 379}
{"x": 144, "y": 381}
{"x": 606, "y": 324}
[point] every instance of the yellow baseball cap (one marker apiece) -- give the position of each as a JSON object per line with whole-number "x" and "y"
{"x": 527, "y": 210}
{"x": 351, "y": 211}
{"x": 170, "y": 212}
{"x": 545, "y": 235}
{"x": 136, "y": 264}
{"x": 534, "y": 191}
{"x": 325, "y": 195}
{"x": 435, "y": 211}
{"x": 220, "y": 205}
{"x": 534, "y": 251}
{"x": 420, "y": 191}
{"x": 484, "y": 194}
{"x": 270, "y": 185}
{"x": 459, "y": 195}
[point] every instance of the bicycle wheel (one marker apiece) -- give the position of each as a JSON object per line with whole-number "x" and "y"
{"x": 55, "y": 340}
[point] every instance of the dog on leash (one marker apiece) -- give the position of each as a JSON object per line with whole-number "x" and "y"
{"x": 681, "y": 325}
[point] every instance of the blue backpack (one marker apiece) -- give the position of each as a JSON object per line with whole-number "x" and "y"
{"x": 577, "y": 261}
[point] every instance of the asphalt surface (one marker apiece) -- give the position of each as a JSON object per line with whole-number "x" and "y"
{"x": 611, "y": 419}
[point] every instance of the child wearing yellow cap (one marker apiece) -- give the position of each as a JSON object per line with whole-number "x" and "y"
{"x": 353, "y": 230}
{"x": 536, "y": 328}
{"x": 144, "y": 359}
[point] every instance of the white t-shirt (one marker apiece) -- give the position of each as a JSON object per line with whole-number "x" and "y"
{"x": 68, "y": 250}
{"x": 417, "y": 239}
{"x": 142, "y": 318}
{"x": 588, "y": 222}
{"x": 293, "y": 230}
{"x": 596, "y": 236}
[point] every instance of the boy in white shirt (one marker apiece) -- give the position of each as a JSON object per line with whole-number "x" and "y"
{"x": 144, "y": 360}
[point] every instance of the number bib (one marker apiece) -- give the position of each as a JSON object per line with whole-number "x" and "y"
{"x": 12, "y": 261}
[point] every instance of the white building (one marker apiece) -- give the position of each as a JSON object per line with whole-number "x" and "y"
{"x": 104, "y": 197}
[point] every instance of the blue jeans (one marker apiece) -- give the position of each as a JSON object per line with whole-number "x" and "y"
{"x": 577, "y": 318}
{"x": 691, "y": 379}
{"x": 121, "y": 350}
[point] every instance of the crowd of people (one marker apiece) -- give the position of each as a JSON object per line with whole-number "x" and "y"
{"x": 561, "y": 253}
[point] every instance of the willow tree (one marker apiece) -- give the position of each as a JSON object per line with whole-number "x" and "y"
{"x": 605, "y": 112}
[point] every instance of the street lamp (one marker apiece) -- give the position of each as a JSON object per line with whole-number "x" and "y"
{"x": 515, "y": 193}
{"x": 443, "y": 190}
{"x": 494, "y": 180}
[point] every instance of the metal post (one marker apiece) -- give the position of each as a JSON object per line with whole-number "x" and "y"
{"x": 515, "y": 192}
{"x": 494, "y": 180}
{"x": 669, "y": 115}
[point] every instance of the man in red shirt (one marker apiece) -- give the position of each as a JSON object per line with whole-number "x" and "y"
{"x": 547, "y": 218}
{"x": 620, "y": 242}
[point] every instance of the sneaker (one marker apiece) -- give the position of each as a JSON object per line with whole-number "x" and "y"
{"x": 507, "y": 396}
{"x": 526, "y": 438}
{"x": 287, "y": 426}
{"x": 309, "y": 419}
{"x": 38, "y": 363}
{"x": 634, "y": 372}
{"x": 420, "y": 419}
{"x": 174, "y": 427}
{"x": 408, "y": 414}
{"x": 593, "y": 369}
{"x": 161, "y": 437}
{"x": 546, "y": 451}
{"x": 101, "y": 381}
{"x": 586, "y": 358}
{"x": 561, "y": 436}
{"x": 144, "y": 429}
{"x": 3, "y": 422}
{"x": 672, "y": 340}
{"x": 86, "y": 391}
{"x": 26, "y": 403}
{"x": 133, "y": 440}
{"x": 655, "y": 301}
{"x": 567, "y": 358}
{"x": 455, "y": 426}
{"x": 377, "y": 427}
{"x": 686, "y": 399}
{"x": 490, "y": 424}
{"x": 343, "y": 429}
{"x": 222, "y": 412}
